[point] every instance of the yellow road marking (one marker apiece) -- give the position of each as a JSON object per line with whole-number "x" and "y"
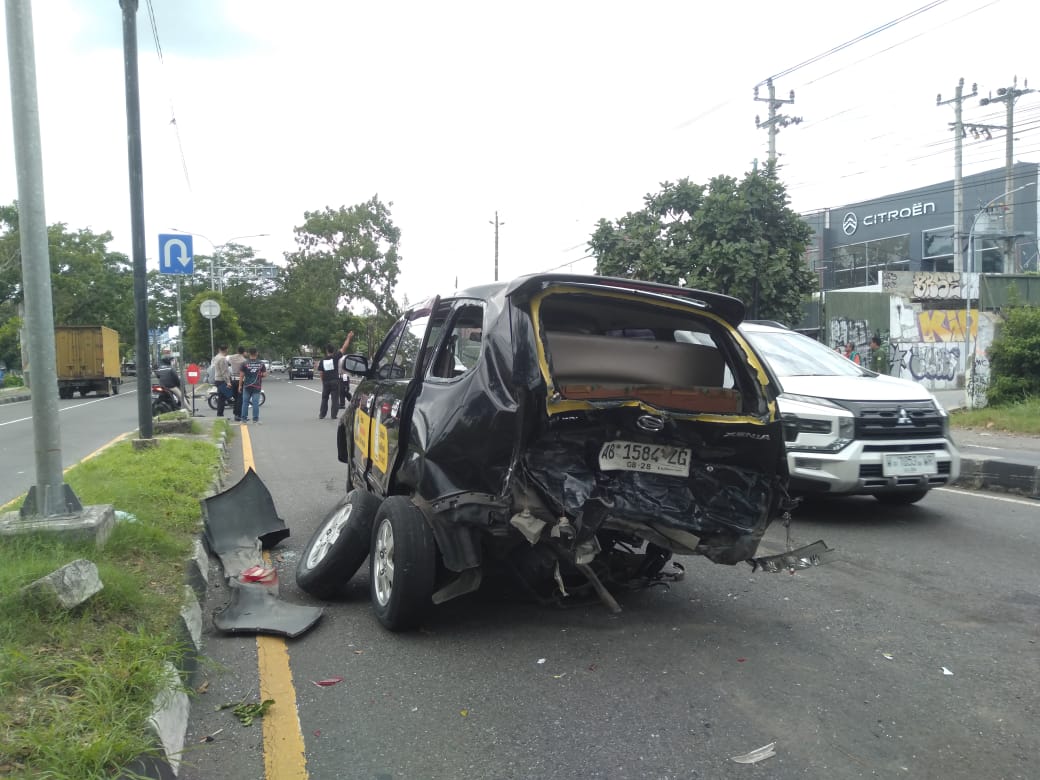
{"x": 283, "y": 740}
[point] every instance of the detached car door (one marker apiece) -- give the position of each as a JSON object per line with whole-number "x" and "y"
{"x": 382, "y": 398}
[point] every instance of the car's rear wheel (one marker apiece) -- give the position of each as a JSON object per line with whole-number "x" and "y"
{"x": 904, "y": 498}
{"x": 339, "y": 546}
{"x": 404, "y": 564}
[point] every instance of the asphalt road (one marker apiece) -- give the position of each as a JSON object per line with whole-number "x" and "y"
{"x": 85, "y": 425}
{"x": 915, "y": 655}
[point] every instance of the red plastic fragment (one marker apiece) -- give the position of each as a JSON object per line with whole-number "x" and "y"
{"x": 327, "y": 682}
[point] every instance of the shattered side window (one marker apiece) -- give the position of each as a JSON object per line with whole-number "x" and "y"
{"x": 384, "y": 359}
{"x": 460, "y": 350}
{"x": 408, "y": 350}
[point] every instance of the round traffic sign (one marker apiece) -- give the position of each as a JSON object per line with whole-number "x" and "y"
{"x": 191, "y": 373}
{"x": 209, "y": 309}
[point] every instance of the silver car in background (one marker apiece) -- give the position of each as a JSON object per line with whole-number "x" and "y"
{"x": 849, "y": 430}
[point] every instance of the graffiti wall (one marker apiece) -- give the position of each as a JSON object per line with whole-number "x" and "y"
{"x": 929, "y": 333}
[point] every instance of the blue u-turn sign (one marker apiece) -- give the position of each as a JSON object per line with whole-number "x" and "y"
{"x": 175, "y": 255}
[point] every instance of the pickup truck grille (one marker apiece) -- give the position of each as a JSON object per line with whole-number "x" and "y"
{"x": 896, "y": 419}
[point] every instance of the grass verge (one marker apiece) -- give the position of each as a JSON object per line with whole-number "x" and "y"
{"x": 1020, "y": 418}
{"x": 76, "y": 687}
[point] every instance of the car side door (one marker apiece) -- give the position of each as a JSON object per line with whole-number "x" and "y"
{"x": 381, "y": 400}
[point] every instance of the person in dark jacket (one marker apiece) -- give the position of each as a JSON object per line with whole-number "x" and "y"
{"x": 331, "y": 382}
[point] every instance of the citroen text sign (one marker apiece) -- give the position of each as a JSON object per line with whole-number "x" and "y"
{"x": 175, "y": 254}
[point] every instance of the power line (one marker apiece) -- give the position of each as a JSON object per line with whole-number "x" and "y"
{"x": 857, "y": 39}
{"x": 173, "y": 117}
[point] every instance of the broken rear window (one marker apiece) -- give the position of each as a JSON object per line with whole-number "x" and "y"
{"x": 618, "y": 348}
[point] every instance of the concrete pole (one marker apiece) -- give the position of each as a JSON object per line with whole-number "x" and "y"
{"x": 50, "y": 496}
{"x": 958, "y": 182}
{"x": 137, "y": 242}
{"x": 1009, "y": 183}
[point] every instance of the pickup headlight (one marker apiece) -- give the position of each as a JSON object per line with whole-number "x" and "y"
{"x": 816, "y": 424}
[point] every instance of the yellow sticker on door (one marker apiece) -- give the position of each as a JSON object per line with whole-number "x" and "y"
{"x": 362, "y": 423}
{"x": 380, "y": 447}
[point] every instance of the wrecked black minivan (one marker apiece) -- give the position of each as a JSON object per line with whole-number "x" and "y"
{"x": 572, "y": 431}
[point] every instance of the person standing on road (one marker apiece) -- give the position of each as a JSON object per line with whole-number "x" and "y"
{"x": 234, "y": 370}
{"x": 221, "y": 378}
{"x": 331, "y": 383}
{"x": 250, "y": 383}
{"x": 852, "y": 354}
{"x": 878, "y": 356}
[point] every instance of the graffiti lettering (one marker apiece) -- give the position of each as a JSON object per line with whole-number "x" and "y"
{"x": 930, "y": 361}
{"x": 844, "y": 330}
{"x": 978, "y": 381}
{"x": 937, "y": 284}
{"x": 945, "y": 325}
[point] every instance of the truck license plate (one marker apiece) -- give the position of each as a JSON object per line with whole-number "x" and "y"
{"x": 653, "y": 458}
{"x": 909, "y": 464}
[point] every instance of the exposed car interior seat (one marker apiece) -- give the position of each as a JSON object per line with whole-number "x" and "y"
{"x": 579, "y": 358}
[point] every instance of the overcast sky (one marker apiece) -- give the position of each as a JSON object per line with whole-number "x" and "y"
{"x": 555, "y": 114}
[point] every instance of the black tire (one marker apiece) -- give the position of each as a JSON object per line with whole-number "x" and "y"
{"x": 403, "y": 564}
{"x": 904, "y": 498}
{"x": 263, "y": 397}
{"x": 160, "y": 407}
{"x": 64, "y": 393}
{"x": 115, "y": 386}
{"x": 338, "y": 547}
{"x": 212, "y": 401}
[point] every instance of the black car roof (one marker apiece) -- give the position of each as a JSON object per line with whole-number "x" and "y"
{"x": 728, "y": 308}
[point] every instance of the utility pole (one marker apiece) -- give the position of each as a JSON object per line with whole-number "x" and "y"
{"x": 775, "y": 121}
{"x": 1009, "y": 95}
{"x": 50, "y": 496}
{"x": 136, "y": 169}
{"x": 958, "y": 185}
{"x": 496, "y": 223}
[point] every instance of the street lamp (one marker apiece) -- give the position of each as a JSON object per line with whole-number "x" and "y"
{"x": 216, "y": 251}
{"x": 969, "y": 346}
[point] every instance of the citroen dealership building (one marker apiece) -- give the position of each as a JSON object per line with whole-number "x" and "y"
{"x": 914, "y": 231}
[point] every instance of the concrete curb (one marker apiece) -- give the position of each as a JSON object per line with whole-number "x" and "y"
{"x": 999, "y": 476}
{"x": 169, "y": 719}
{"x": 10, "y": 398}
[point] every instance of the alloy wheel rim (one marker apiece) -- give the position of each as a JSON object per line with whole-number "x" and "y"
{"x": 384, "y": 563}
{"x": 328, "y": 536}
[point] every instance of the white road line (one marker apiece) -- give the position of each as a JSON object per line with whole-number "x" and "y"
{"x": 67, "y": 408}
{"x": 991, "y": 496}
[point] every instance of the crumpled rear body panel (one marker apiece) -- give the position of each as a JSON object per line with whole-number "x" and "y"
{"x": 509, "y": 435}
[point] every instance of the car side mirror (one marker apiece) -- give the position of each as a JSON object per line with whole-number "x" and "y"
{"x": 355, "y": 364}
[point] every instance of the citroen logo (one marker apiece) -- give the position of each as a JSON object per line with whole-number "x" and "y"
{"x": 849, "y": 223}
{"x": 904, "y": 418}
{"x": 650, "y": 423}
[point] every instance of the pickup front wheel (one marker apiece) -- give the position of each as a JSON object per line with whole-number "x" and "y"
{"x": 404, "y": 564}
{"x": 339, "y": 546}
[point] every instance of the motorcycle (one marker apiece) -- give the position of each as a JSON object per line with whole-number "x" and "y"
{"x": 211, "y": 398}
{"x": 163, "y": 400}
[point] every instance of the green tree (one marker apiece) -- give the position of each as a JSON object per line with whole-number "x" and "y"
{"x": 734, "y": 237}
{"x": 89, "y": 284}
{"x": 1014, "y": 357}
{"x": 226, "y": 327}
{"x": 348, "y": 255}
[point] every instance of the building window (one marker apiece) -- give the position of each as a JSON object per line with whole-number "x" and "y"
{"x": 856, "y": 265}
{"x": 937, "y": 249}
